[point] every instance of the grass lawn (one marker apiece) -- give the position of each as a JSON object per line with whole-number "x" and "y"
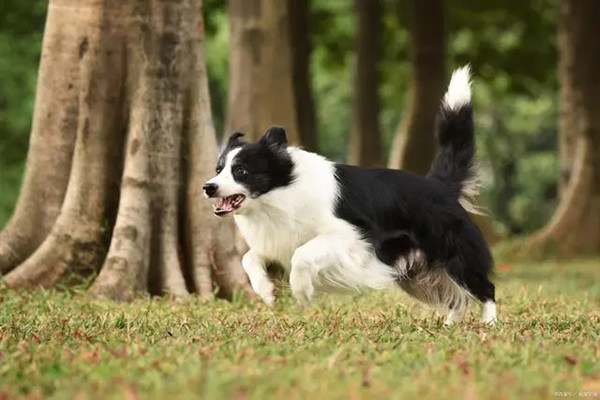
{"x": 378, "y": 345}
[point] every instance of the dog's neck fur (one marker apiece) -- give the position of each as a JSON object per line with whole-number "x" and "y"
{"x": 302, "y": 210}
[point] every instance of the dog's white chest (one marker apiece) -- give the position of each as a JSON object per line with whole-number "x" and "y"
{"x": 274, "y": 237}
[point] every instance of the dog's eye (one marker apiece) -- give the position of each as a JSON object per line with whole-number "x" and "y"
{"x": 219, "y": 169}
{"x": 240, "y": 171}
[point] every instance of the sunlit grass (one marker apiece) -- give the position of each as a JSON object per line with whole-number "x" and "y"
{"x": 378, "y": 345}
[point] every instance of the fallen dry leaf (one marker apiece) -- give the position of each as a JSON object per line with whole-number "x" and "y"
{"x": 571, "y": 360}
{"x": 504, "y": 267}
{"x": 91, "y": 356}
{"x": 462, "y": 364}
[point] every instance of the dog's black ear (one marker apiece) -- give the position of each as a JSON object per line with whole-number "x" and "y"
{"x": 235, "y": 140}
{"x": 275, "y": 136}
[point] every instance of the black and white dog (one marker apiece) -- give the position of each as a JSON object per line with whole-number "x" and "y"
{"x": 338, "y": 226}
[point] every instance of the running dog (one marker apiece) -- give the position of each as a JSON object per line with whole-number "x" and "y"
{"x": 333, "y": 225}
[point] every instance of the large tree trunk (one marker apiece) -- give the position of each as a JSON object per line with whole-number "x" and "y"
{"x": 414, "y": 146}
{"x": 50, "y": 146}
{"x": 365, "y": 135}
{"x": 143, "y": 145}
{"x": 574, "y": 228}
{"x": 261, "y": 91}
{"x": 301, "y": 53}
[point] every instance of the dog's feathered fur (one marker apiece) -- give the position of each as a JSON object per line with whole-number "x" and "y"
{"x": 339, "y": 226}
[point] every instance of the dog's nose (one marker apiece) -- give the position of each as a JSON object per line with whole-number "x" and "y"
{"x": 210, "y": 189}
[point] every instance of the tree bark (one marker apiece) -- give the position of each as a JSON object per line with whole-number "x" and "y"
{"x": 261, "y": 90}
{"x": 414, "y": 145}
{"x": 50, "y": 147}
{"x": 78, "y": 237}
{"x": 301, "y": 54}
{"x": 567, "y": 138}
{"x": 574, "y": 229}
{"x": 144, "y": 145}
{"x": 365, "y": 135}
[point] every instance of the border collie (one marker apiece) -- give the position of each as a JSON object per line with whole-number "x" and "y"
{"x": 332, "y": 225}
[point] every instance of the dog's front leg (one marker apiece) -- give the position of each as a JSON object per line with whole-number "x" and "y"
{"x": 301, "y": 281}
{"x": 307, "y": 261}
{"x": 255, "y": 267}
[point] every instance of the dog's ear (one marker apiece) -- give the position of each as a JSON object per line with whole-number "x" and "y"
{"x": 275, "y": 136}
{"x": 235, "y": 140}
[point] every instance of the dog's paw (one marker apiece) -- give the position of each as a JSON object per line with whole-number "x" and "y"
{"x": 489, "y": 321}
{"x": 303, "y": 297}
{"x": 302, "y": 288}
{"x": 265, "y": 289}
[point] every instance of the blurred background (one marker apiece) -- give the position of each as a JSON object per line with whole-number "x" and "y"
{"x": 511, "y": 46}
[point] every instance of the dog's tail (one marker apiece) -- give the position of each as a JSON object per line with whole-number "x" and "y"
{"x": 454, "y": 164}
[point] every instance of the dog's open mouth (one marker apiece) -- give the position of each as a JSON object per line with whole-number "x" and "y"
{"x": 229, "y": 204}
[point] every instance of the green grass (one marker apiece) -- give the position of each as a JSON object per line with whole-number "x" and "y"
{"x": 378, "y": 345}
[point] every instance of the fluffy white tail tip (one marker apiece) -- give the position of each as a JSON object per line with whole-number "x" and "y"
{"x": 459, "y": 90}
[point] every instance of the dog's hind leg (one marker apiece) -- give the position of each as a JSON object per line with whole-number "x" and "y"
{"x": 480, "y": 287}
{"x": 439, "y": 289}
{"x": 255, "y": 267}
{"x": 484, "y": 291}
{"x": 488, "y": 314}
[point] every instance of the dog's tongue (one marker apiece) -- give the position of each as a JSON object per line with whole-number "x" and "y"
{"x": 228, "y": 204}
{"x": 224, "y": 206}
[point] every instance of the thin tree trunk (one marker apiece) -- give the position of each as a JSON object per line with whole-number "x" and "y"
{"x": 301, "y": 55}
{"x": 567, "y": 132}
{"x": 261, "y": 91}
{"x": 414, "y": 146}
{"x": 50, "y": 147}
{"x": 143, "y": 125}
{"x": 574, "y": 228}
{"x": 365, "y": 136}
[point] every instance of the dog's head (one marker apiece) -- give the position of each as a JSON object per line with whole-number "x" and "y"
{"x": 247, "y": 171}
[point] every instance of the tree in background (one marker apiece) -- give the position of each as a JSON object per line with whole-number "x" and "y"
{"x": 50, "y": 154}
{"x": 509, "y": 45}
{"x": 567, "y": 121}
{"x": 414, "y": 144}
{"x": 261, "y": 89}
{"x": 514, "y": 61}
{"x": 301, "y": 42}
{"x": 365, "y": 135}
{"x": 575, "y": 226}
{"x": 21, "y": 28}
{"x": 122, "y": 140}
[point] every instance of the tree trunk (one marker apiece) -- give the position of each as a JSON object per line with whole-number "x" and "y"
{"x": 566, "y": 144}
{"x": 414, "y": 145}
{"x": 574, "y": 228}
{"x": 301, "y": 53}
{"x": 567, "y": 138}
{"x": 261, "y": 90}
{"x": 50, "y": 147}
{"x": 365, "y": 135}
{"x": 144, "y": 144}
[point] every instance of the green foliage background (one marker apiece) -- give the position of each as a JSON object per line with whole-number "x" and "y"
{"x": 21, "y": 25}
{"x": 511, "y": 46}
